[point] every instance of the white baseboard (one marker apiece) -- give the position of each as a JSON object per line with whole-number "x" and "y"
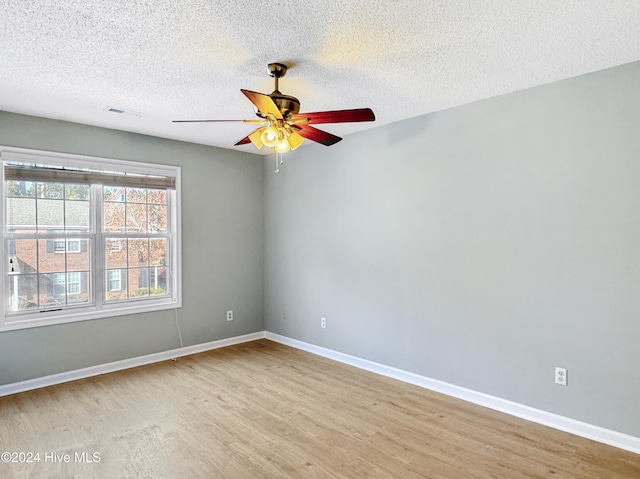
{"x": 589, "y": 431}
{"x": 36, "y": 383}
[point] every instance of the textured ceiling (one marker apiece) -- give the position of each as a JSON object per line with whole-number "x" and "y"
{"x": 188, "y": 59}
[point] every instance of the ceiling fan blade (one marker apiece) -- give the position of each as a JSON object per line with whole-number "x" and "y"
{"x": 254, "y": 137}
{"x": 335, "y": 116}
{"x": 313, "y": 134}
{"x": 263, "y": 103}
{"x": 252, "y": 122}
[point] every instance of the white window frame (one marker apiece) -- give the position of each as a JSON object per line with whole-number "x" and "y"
{"x": 100, "y": 308}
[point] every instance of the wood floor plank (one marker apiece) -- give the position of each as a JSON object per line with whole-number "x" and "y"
{"x": 264, "y": 410}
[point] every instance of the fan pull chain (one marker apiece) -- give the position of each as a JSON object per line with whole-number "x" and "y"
{"x": 279, "y": 161}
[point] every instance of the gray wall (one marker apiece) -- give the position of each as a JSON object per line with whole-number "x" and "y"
{"x": 482, "y": 246}
{"x": 222, "y": 253}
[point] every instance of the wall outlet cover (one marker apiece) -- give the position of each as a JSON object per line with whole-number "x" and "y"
{"x": 561, "y": 376}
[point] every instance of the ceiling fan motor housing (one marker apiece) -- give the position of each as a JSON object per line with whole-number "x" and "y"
{"x": 287, "y": 104}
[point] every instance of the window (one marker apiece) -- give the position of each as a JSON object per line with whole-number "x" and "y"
{"x": 73, "y": 283}
{"x": 115, "y": 278}
{"x": 87, "y": 238}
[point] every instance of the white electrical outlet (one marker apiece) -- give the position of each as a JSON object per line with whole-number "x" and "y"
{"x": 561, "y": 376}
{"x": 323, "y": 322}
{"x": 230, "y": 315}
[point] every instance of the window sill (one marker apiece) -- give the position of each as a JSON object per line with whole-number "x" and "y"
{"x": 12, "y": 323}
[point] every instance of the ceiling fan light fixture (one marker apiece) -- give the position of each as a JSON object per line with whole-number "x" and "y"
{"x": 282, "y": 146}
{"x": 269, "y": 136}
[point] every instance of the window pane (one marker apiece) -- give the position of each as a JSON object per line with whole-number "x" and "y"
{"x": 24, "y": 189}
{"x": 138, "y": 252}
{"x": 50, "y": 214}
{"x": 114, "y": 217}
{"x": 157, "y": 219}
{"x": 21, "y": 214}
{"x": 157, "y": 197}
{"x": 114, "y": 193}
{"x": 78, "y": 259}
{"x": 136, "y": 195}
{"x": 25, "y": 256}
{"x": 138, "y": 282}
{"x": 76, "y": 215}
{"x": 76, "y": 192}
{"x": 51, "y": 255}
{"x": 50, "y": 190}
{"x": 23, "y": 292}
{"x": 116, "y": 253}
{"x": 136, "y": 218}
{"x": 157, "y": 252}
{"x": 52, "y": 290}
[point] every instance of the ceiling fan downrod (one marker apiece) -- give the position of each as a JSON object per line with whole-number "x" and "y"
{"x": 277, "y": 71}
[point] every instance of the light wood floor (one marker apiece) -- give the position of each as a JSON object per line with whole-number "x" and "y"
{"x": 263, "y": 410}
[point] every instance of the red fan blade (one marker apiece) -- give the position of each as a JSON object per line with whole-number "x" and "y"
{"x": 244, "y": 141}
{"x": 335, "y": 116}
{"x": 313, "y": 134}
{"x": 263, "y": 103}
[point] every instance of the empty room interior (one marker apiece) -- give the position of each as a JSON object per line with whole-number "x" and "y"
{"x": 358, "y": 239}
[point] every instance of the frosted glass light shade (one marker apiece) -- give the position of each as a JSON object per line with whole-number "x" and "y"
{"x": 270, "y": 136}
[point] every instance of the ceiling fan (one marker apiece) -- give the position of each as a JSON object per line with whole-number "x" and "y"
{"x": 282, "y": 126}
